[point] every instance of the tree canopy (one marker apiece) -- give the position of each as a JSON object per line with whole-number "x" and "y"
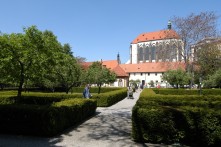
{"x": 176, "y": 77}
{"x": 97, "y": 74}
{"x": 36, "y": 57}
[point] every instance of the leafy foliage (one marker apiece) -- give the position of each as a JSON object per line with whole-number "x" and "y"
{"x": 97, "y": 74}
{"x": 176, "y": 77}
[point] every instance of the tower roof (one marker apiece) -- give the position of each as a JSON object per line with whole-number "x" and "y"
{"x": 158, "y": 35}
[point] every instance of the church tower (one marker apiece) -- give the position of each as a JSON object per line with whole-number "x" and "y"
{"x": 118, "y": 58}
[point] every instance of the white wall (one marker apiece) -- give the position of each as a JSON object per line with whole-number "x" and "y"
{"x": 134, "y": 53}
{"x": 152, "y": 76}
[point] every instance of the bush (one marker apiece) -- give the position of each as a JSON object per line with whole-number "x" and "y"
{"x": 109, "y": 98}
{"x": 94, "y": 89}
{"x": 188, "y": 119}
{"x": 44, "y": 120}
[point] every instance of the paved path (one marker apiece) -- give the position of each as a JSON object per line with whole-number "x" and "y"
{"x": 111, "y": 127}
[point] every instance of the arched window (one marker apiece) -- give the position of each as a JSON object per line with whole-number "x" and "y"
{"x": 146, "y": 53}
{"x": 160, "y": 52}
{"x": 153, "y": 53}
{"x": 140, "y": 54}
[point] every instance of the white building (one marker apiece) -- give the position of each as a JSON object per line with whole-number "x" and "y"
{"x": 151, "y": 54}
{"x": 159, "y": 46}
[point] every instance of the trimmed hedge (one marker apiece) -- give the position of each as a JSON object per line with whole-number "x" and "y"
{"x": 109, "y": 98}
{"x": 188, "y": 119}
{"x": 45, "y": 120}
{"x": 186, "y": 91}
{"x": 94, "y": 89}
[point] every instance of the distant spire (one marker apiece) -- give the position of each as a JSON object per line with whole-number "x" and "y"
{"x": 169, "y": 26}
{"x": 118, "y": 58}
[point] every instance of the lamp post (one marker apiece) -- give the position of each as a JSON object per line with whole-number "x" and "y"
{"x": 200, "y": 80}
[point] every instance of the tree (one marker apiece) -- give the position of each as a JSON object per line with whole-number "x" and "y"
{"x": 97, "y": 74}
{"x": 27, "y": 56}
{"x": 208, "y": 59}
{"x": 68, "y": 72}
{"x": 176, "y": 77}
{"x": 214, "y": 80}
{"x": 193, "y": 29}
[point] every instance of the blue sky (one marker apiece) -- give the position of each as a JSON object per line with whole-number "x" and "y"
{"x": 98, "y": 29}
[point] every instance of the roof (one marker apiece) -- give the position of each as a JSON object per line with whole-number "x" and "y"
{"x": 85, "y": 65}
{"x": 120, "y": 72}
{"x": 152, "y": 67}
{"x": 158, "y": 35}
{"x": 110, "y": 64}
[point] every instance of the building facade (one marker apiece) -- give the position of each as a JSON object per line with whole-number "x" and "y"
{"x": 151, "y": 55}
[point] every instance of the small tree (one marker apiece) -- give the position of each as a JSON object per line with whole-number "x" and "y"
{"x": 97, "y": 74}
{"x": 151, "y": 83}
{"x": 214, "y": 80}
{"x": 176, "y": 77}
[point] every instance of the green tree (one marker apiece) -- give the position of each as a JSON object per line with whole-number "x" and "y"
{"x": 68, "y": 72}
{"x": 208, "y": 59}
{"x": 97, "y": 74}
{"x": 214, "y": 80}
{"x": 27, "y": 56}
{"x": 176, "y": 77}
{"x": 192, "y": 29}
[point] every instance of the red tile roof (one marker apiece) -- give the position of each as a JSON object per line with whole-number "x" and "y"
{"x": 110, "y": 64}
{"x": 159, "y": 35}
{"x": 152, "y": 67}
{"x": 120, "y": 72}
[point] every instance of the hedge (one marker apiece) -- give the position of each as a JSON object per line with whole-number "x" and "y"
{"x": 186, "y": 91}
{"x": 94, "y": 89}
{"x": 44, "y": 120}
{"x": 187, "y": 119}
{"x": 109, "y": 98}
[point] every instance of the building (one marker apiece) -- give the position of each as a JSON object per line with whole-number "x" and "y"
{"x": 159, "y": 46}
{"x": 206, "y": 41}
{"x": 151, "y": 54}
{"x": 113, "y": 65}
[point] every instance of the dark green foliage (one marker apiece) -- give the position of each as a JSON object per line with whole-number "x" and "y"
{"x": 44, "y": 120}
{"x": 109, "y": 98}
{"x": 189, "y": 119}
{"x": 94, "y": 89}
{"x": 187, "y": 91}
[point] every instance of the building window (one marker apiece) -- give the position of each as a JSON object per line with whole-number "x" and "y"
{"x": 141, "y": 74}
{"x": 134, "y": 74}
{"x": 129, "y": 74}
{"x": 147, "y": 53}
{"x": 153, "y": 53}
{"x": 155, "y": 74}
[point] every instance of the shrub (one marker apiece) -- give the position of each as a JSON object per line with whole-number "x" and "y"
{"x": 110, "y": 98}
{"x": 44, "y": 120}
{"x": 189, "y": 119}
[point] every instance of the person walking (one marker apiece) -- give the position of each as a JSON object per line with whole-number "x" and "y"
{"x": 86, "y": 92}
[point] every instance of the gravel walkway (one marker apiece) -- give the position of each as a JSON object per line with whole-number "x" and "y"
{"x": 111, "y": 127}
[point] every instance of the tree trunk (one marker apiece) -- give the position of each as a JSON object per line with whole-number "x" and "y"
{"x": 22, "y": 77}
{"x": 99, "y": 88}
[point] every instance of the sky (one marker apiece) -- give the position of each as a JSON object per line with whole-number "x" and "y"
{"x": 98, "y": 29}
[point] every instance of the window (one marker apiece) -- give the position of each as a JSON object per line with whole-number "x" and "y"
{"x": 155, "y": 74}
{"x": 141, "y": 74}
{"x": 148, "y": 74}
{"x": 134, "y": 74}
{"x": 147, "y": 53}
{"x": 153, "y": 53}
